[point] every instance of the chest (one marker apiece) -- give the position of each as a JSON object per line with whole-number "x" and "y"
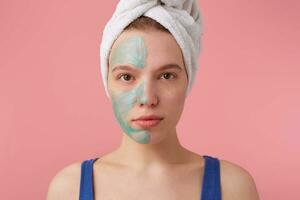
{"x": 168, "y": 186}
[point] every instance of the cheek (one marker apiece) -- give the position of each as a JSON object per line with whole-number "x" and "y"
{"x": 175, "y": 94}
{"x": 173, "y": 101}
{"x": 123, "y": 102}
{"x": 177, "y": 104}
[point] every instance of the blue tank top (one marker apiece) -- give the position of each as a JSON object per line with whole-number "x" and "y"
{"x": 211, "y": 185}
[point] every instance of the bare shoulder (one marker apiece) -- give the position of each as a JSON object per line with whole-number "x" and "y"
{"x": 65, "y": 184}
{"x": 237, "y": 183}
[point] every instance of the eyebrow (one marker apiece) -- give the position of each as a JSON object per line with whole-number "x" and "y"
{"x": 164, "y": 67}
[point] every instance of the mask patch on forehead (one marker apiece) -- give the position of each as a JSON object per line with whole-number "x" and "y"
{"x": 132, "y": 51}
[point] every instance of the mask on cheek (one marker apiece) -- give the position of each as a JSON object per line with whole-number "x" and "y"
{"x": 132, "y": 50}
{"x": 122, "y": 105}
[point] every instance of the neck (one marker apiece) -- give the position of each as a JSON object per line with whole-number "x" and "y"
{"x": 165, "y": 152}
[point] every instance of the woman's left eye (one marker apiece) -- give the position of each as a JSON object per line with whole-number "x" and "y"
{"x": 168, "y": 75}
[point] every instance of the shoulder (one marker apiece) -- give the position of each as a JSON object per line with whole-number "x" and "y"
{"x": 237, "y": 183}
{"x": 65, "y": 184}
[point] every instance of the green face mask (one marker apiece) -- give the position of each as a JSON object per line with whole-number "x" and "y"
{"x": 130, "y": 51}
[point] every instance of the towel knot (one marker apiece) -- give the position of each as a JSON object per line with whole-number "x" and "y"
{"x": 172, "y": 3}
{"x": 160, "y": 2}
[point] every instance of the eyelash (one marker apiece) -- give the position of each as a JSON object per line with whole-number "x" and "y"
{"x": 121, "y": 75}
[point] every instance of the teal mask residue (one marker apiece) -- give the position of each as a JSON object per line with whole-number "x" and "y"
{"x": 130, "y": 51}
{"x": 122, "y": 105}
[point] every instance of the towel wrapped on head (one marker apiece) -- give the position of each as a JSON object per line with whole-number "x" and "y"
{"x": 181, "y": 17}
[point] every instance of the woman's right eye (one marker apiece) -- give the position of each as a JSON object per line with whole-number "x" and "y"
{"x": 126, "y": 77}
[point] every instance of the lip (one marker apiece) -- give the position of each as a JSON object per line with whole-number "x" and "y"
{"x": 146, "y": 123}
{"x": 148, "y": 117}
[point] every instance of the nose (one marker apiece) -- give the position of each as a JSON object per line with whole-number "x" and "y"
{"x": 147, "y": 96}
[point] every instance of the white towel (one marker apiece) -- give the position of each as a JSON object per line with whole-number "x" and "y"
{"x": 181, "y": 17}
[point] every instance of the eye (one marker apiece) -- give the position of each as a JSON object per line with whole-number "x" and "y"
{"x": 167, "y": 75}
{"x": 126, "y": 77}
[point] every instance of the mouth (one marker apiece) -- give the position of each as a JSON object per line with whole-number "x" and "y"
{"x": 148, "y": 117}
{"x": 146, "y": 123}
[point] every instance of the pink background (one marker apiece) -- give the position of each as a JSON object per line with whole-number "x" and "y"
{"x": 244, "y": 106}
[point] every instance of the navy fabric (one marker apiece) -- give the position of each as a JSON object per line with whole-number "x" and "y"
{"x": 211, "y": 185}
{"x": 86, "y": 180}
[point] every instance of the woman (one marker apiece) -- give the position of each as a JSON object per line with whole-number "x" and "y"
{"x": 147, "y": 79}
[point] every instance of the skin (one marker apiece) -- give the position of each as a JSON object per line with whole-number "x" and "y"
{"x": 153, "y": 161}
{"x": 132, "y": 51}
{"x": 147, "y": 85}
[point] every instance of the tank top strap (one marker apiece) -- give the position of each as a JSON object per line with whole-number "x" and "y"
{"x": 211, "y": 187}
{"x": 86, "y": 191}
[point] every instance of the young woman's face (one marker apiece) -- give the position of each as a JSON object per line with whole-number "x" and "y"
{"x": 147, "y": 77}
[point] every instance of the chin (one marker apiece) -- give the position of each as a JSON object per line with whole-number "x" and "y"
{"x": 156, "y": 137}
